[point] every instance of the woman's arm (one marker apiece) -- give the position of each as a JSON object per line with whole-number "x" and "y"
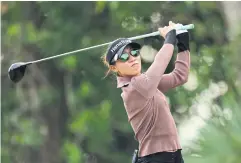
{"x": 180, "y": 73}
{"x": 147, "y": 83}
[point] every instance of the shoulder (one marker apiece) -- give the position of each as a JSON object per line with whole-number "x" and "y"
{"x": 132, "y": 96}
{"x": 136, "y": 89}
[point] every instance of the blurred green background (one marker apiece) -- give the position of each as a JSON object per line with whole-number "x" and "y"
{"x": 63, "y": 111}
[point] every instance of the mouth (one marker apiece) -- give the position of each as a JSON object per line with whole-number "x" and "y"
{"x": 135, "y": 64}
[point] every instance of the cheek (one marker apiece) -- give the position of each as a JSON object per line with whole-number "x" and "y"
{"x": 125, "y": 67}
{"x": 122, "y": 66}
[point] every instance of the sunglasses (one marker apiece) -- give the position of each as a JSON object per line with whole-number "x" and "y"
{"x": 125, "y": 56}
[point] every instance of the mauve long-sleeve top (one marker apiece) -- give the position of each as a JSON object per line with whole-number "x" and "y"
{"x": 145, "y": 103}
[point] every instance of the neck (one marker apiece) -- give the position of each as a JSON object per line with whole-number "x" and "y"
{"x": 128, "y": 76}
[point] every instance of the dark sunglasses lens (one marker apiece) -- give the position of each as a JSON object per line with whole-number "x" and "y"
{"x": 135, "y": 53}
{"x": 124, "y": 57}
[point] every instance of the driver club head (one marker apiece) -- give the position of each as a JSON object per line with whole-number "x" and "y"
{"x": 16, "y": 71}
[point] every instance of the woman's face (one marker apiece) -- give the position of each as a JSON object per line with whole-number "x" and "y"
{"x": 131, "y": 67}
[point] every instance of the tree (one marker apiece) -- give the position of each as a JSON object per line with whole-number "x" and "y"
{"x": 63, "y": 111}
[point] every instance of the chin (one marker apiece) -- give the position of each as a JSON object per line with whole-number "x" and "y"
{"x": 136, "y": 73}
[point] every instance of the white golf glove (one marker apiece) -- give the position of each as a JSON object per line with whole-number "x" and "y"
{"x": 182, "y": 39}
{"x": 180, "y": 31}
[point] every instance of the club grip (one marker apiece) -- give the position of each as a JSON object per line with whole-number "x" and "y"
{"x": 184, "y": 27}
{"x": 178, "y": 27}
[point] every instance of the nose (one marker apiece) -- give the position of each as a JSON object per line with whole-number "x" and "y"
{"x": 131, "y": 58}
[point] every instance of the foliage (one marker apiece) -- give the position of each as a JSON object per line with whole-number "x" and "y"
{"x": 220, "y": 140}
{"x": 63, "y": 111}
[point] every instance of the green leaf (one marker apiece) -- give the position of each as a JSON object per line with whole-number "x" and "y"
{"x": 100, "y": 5}
{"x": 72, "y": 152}
{"x": 70, "y": 62}
{"x": 14, "y": 30}
{"x": 85, "y": 89}
{"x": 80, "y": 123}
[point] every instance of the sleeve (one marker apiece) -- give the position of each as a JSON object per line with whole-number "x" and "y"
{"x": 146, "y": 84}
{"x": 179, "y": 75}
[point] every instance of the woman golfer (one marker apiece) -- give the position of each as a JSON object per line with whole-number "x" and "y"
{"x": 143, "y": 93}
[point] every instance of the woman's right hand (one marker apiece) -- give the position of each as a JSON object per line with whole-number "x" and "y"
{"x": 163, "y": 31}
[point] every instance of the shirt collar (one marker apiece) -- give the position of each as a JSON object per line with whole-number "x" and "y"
{"x": 122, "y": 81}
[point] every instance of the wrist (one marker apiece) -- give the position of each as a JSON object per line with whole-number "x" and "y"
{"x": 183, "y": 42}
{"x": 171, "y": 37}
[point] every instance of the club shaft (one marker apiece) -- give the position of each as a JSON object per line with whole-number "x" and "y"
{"x": 185, "y": 27}
{"x": 68, "y": 53}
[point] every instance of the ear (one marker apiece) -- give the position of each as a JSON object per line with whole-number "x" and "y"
{"x": 113, "y": 68}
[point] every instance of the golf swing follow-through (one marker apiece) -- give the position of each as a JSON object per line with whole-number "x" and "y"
{"x": 17, "y": 70}
{"x": 143, "y": 93}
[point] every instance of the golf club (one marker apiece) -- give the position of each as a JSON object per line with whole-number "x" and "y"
{"x": 17, "y": 70}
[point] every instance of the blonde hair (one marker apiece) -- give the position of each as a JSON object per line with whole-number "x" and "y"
{"x": 103, "y": 59}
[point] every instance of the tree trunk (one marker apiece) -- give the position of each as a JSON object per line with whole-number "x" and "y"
{"x": 54, "y": 116}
